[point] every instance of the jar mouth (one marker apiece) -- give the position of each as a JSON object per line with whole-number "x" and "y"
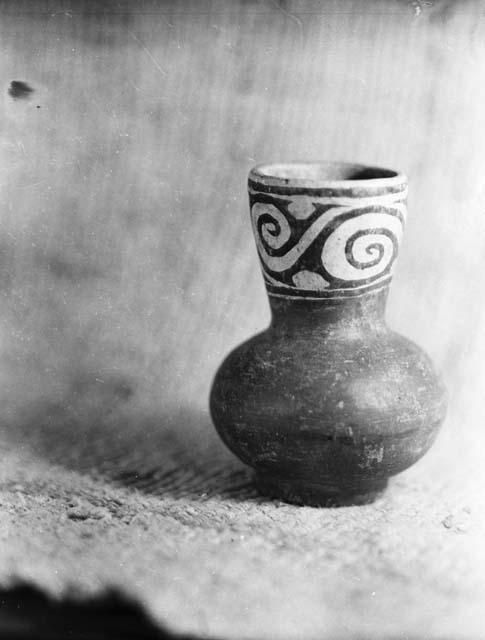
{"x": 325, "y": 175}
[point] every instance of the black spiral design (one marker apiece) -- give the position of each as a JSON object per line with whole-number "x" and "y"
{"x": 370, "y": 249}
{"x": 333, "y": 248}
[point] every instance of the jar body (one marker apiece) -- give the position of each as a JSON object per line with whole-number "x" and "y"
{"x": 327, "y": 411}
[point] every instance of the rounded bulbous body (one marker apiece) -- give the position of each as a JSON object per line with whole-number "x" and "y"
{"x": 328, "y": 402}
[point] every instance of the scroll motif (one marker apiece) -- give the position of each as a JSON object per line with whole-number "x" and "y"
{"x": 326, "y": 247}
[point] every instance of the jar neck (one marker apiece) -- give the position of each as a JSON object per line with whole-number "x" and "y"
{"x": 362, "y": 313}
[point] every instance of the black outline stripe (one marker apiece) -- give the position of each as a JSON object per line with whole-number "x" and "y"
{"x": 350, "y": 192}
{"x": 327, "y": 293}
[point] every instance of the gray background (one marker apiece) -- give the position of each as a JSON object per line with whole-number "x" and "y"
{"x": 126, "y": 245}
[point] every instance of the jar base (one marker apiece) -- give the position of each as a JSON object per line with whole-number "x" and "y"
{"x": 303, "y": 493}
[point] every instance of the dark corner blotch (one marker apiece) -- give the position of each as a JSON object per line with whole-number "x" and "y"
{"x": 30, "y": 614}
{"x": 19, "y": 90}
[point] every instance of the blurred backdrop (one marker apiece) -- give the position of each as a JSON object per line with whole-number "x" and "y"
{"x": 127, "y": 265}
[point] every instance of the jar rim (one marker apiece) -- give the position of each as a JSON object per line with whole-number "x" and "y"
{"x": 325, "y": 175}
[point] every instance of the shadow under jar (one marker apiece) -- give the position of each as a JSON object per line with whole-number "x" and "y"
{"x": 328, "y": 402}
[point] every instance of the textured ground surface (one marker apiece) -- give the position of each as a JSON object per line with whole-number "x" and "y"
{"x": 172, "y": 520}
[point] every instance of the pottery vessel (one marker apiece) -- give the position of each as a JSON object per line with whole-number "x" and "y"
{"x": 327, "y": 402}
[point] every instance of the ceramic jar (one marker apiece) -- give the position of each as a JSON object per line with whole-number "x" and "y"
{"x": 327, "y": 402}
